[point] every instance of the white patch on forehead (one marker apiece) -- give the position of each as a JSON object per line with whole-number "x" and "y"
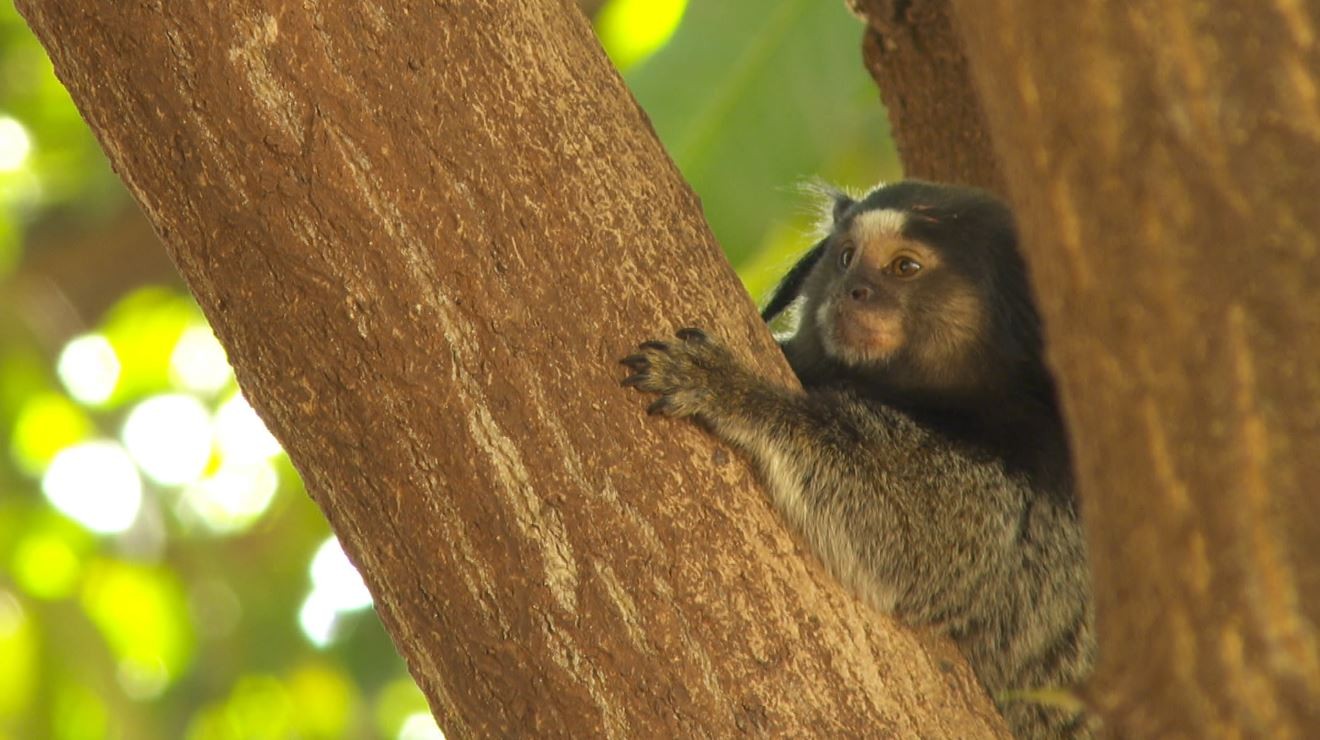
{"x": 870, "y": 225}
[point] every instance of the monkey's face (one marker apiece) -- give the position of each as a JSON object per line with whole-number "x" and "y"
{"x": 888, "y": 301}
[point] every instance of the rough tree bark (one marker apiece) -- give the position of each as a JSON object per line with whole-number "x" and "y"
{"x": 1164, "y": 160}
{"x": 913, "y": 51}
{"x": 425, "y": 232}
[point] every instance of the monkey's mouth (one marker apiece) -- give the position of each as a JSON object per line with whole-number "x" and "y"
{"x": 859, "y": 335}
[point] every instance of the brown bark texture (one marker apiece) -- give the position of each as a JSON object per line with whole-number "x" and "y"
{"x": 425, "y": 232}
{"x": 1164, "y": 159}
{"x": 916, "y": 57}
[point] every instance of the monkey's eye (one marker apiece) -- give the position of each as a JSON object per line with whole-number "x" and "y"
{"x": 846, "y": 256}
{"x": 904, "y": 267}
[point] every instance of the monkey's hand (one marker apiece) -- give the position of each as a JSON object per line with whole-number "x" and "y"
{"x": 692, "y": 375}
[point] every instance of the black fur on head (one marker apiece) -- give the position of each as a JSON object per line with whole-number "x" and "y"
{"x": 983, "y": 378}
{"x": 974, "y": 235}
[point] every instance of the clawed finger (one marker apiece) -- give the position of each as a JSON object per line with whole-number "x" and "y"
{"x": 636, "y": 362}
{"x": 658, "y": 406}
{"x": 691, "y": 334}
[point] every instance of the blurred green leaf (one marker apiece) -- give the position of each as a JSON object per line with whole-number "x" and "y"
{"x": 46, "y": 424}
{"x": 142, "y": 614}
{"x": 18, "y": 645}
{"x": 323, "y": 700}
{"x": 144, "y": 327}
{"x": 78, "y": 713}
{"x": 260, "y": 708}
{"x": 47, "y": 560}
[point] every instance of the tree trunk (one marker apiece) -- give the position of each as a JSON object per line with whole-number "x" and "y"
{"x": 1165, "y": 163}
{"x": 915, "y": 55}
{"x": 425, "y": 232}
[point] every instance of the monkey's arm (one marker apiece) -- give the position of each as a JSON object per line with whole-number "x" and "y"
{"x": 912, "y": 524}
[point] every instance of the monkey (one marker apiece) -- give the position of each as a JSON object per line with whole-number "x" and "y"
{"x": 925, "y": 460}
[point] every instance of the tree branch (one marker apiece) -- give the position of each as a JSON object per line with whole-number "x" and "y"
{"x": 915, "y": 55}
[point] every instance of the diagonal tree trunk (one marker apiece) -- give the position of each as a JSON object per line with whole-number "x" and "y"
{"x": 425, "y": 232}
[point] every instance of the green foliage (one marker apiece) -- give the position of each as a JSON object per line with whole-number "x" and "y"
{"x": 753, "y": 99}
{"x": 155, "y": 599}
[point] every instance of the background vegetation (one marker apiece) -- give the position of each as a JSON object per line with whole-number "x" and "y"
{"x": 162, "y": 572}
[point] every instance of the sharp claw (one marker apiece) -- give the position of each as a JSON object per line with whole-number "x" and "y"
{"x": 636, "y": 362}
{"x": 633, "y": 380}
{"x": 658, "y": 406}
{"x": 655, "y": 345}
{"x": 691, "y": 334}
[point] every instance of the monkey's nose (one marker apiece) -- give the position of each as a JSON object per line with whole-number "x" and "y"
{"x": 860, "y": 293}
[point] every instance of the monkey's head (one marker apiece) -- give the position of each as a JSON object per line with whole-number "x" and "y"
{"x": 918, "y": 290}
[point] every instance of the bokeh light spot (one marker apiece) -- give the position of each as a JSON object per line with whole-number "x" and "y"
{"x": 420, "y": 726}
{"x": 631, "y": 30}
{"x": 317, "y": 618}
{"x": 46, "y": 424}
{"x": 46, "y": 565}
{"x": 259, "y": 707}
{"x": 323, "y": 700}
{"x": 96, "y": 484}
{"x": 232, "y": 498}
{"x": 15, "y": 144}
{"x": 89, "y": 369}
{"x": 142, "y": 680}
{"x": 169, "y": 436}
{"x": 337, "y": 588}
{"x": 143, "y": 616}
{"x": 241, "y": 434}
{"x": 198, "y": 362}
{"x": 335, "y": 576}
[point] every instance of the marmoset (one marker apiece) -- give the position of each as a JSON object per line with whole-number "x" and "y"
{"x": 926, "y": 463}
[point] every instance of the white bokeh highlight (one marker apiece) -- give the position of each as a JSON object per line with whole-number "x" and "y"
{"x": 337, "y": 589}
{"x": 169, "y": 436}
{"x": 96, "y": 484}
{"x": 15, "y": 144}
{"x": 233, "y": 497}
{"x": 420, "y": 726}
{"x": 241, "y": 435}
{"x": 198, "y": 363}
{"x": 89, "y": 369}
